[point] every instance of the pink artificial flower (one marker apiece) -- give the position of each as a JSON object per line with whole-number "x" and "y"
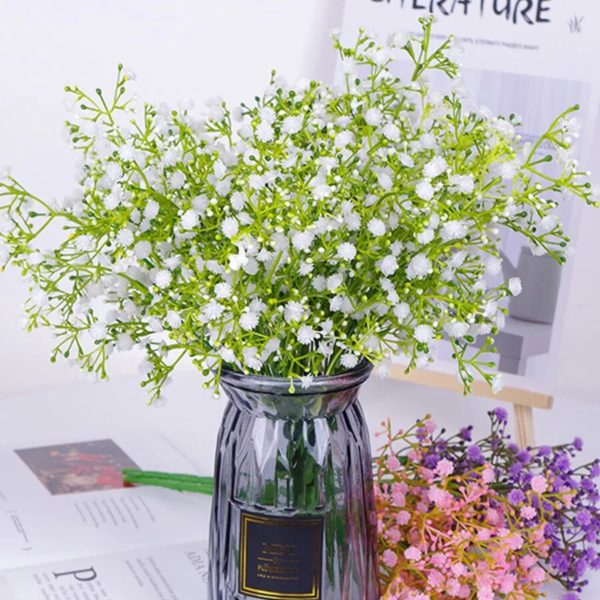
{"x": 413, "y": 553}
{"x": 488, "y": 474}
{"x": 414, "y": 455}
{"x": 528, "y": 561}
{"x": 441, "y": 498}
{"x": 514, "y": 541}
{"x": 539, "y": 484}
{"x": 393, "y": 464}
{"x": 398, "y": 496}
{"x": 453, "y": 587}
{"x": 492, "y": 552}
{"x": 507, "y": 583}
{"x": 390, "y": 558}
{"x": 393, "y": 535}
{"x": 403, "y": 517}
{"x": 485, "y": 593}
{"x": 528, "y": 512}
{"x": 494, "y": 517}
{"x": 427, "y": 474}
{"x": 537, "y": 575}
{"x": 538, "y": 533}
{"x": 438, "y": 560}
{"x": 435, "y": 579}
{"x": 444, "y": 468}
{"x": 474, "y": 491}
{"x": 430, "y": 426}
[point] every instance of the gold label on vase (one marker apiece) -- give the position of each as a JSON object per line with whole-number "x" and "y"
{"x": 280, "y": 557}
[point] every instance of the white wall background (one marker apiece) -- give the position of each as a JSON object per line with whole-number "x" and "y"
{"x": 185, "y": 49}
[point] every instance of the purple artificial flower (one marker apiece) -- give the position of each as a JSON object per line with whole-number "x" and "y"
{"x": 589, "y": 554}
{"x": 515, "y": 469}
{"x": 588, "y": 485}
{"x": 583, "y": 518}
{"x": 544, "y": 451}
{"x": 475, "y": 455}
{"x": 422, "y": 433}
{"x": 430, "y": 461}
{"x": 580, "y": 567}
{"x": 466, "y": 433}
{"x": 516, "y": 497}
{"x": 562, "y": 463}
{"x": 578, "y": 444}
{"x": 559, "y": 562}
{"x": 501, "y": 414}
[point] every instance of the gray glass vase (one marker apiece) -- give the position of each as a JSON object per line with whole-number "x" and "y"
{"x": 293, "y": 511}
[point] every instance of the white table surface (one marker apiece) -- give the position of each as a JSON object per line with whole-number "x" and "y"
{"x": 191, "y": 418}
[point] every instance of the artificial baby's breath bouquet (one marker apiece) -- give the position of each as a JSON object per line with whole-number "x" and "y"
{"x": 295, "y": 235}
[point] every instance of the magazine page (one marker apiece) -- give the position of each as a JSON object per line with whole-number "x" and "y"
{"x": 177, "y": 572}
{"x": 66, "y": 499}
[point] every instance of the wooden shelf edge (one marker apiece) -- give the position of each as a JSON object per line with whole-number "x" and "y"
{"x": 520, "y": 396}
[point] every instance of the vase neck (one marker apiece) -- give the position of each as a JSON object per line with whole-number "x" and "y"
{"x": 281, "y": 398}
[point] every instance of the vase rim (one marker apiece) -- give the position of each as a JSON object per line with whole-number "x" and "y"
{"x": 281, "y": 385}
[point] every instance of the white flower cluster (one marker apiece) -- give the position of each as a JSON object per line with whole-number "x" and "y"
{"x": 294, "y": 236}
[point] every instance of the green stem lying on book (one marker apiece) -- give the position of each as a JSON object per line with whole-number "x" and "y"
{"x": 172, "y": 481}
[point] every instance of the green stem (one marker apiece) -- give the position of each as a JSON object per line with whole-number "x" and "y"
{"x": 172, "y": 481}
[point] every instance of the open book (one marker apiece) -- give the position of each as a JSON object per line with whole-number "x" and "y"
{"x": 70, "y": 530}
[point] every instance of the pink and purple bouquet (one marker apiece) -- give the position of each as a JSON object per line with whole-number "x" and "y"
{"x": 482, "y": 520}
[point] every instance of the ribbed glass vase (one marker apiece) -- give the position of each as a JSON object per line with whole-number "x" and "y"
{"x": 293, "y": 511}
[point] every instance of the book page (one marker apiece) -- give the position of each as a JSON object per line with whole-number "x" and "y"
{"x": 166, "y": 573}
{"x": 66, "y": 499}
